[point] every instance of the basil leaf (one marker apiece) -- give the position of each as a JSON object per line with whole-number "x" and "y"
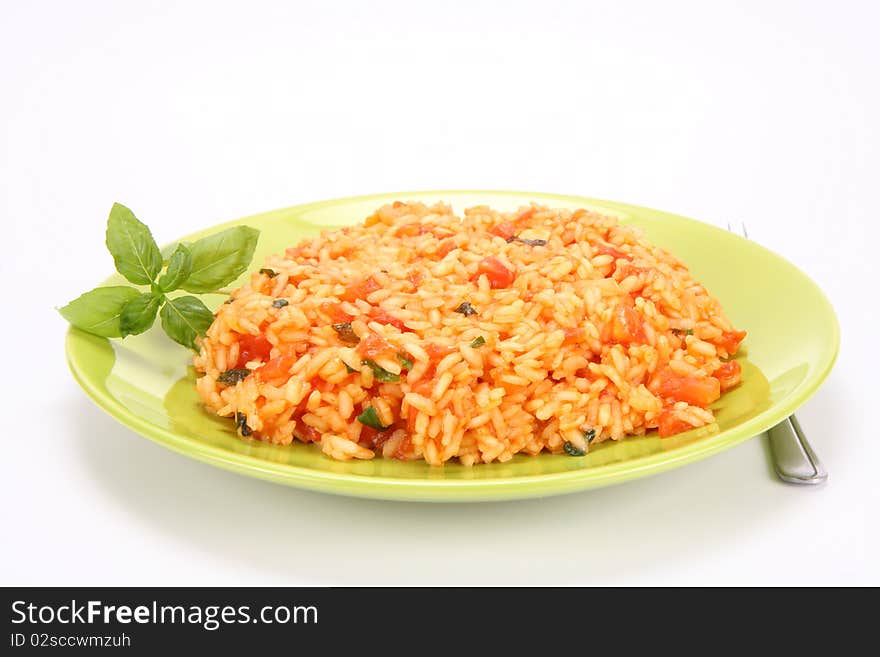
{"x": 478, "y": 342}
{"x": 231, "y": 377}
{"x": 132, "y": 246}
{"x": 466, "y": 309}
{"x": 405, "y": 363}
{"x": 219, "y": 259}
{"x": 185, "y": 318}
{"x": 139, "y": 314}
{"x": 179, "y": 268}
{"x": 169, "y": 249}
{"x": 572, "y": 450}
{"x": 97, "y": 312}
{"x": 528, "y": 241}
{"x": 241, "y": 424}
{"x": 370, "y": 418}
{"x": 346, "y": 333}
{"x": 381, "y": 374}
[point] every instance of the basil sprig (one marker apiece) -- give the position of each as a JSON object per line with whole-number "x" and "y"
{"x": 201, "y": 267}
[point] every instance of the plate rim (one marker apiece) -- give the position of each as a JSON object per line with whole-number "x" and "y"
{"x": 464, "y": 490}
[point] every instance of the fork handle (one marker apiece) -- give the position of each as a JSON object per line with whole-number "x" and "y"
{"x": 793, "y": 458}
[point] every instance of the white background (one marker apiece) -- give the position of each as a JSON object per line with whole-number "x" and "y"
{"x": 192, "y": 114}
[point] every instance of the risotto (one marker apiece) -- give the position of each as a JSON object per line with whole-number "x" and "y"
{"x": 424, "y": 335}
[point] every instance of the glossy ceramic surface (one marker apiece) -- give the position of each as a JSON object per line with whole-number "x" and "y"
{"x": 145, "y": 381}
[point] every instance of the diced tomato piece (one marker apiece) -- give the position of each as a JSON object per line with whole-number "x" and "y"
{"x": 626, "y": 325}
{"x": 374, "y": 438}
{"x": 423, "y": 387}
{"x": 277, "y": 370}
{"x": 368, "y": 434}
{"x": 317, "y": 384}
{"x": 607, "y": 249}
{"x": 404, "y": 447}
{"x": 573, "y": 335}
{"x": 361, "y": 289}
{"x": 499, "y": 276}
{"x": 411, "y": 421}
{"x": 335, "y": 312}
{"x": 505, "y": 230}
{"x": 669, "y": 425}
{"x": 690, "y": 389}
{"x": 415, "y": 277}
{"x": 409, "y": 230}
{"x": 372, "y": 345}
{"x": 625, "y": 269}
{"x": 439, "y": 233}
{"x": 445, "y": 247}
{"x": 437, "y": 351}
{"x": 525, "y": 214}
{"x": 398, "y": 204}
{"x": 729, "y": 375}
{"x": 729, "y": 341}
{"x": 252, "y": 347}
{"x": 307, "y": 433}
{"x": 381, "y": 316}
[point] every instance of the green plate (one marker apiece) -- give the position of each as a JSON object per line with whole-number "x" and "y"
{"x": 146, "y": 381}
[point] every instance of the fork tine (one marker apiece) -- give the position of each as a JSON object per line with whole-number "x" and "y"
{"x": 787, "y": 440}
{"x": 739, "y": 230}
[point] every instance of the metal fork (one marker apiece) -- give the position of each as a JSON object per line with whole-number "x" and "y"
{"x": 793, "y": 458}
